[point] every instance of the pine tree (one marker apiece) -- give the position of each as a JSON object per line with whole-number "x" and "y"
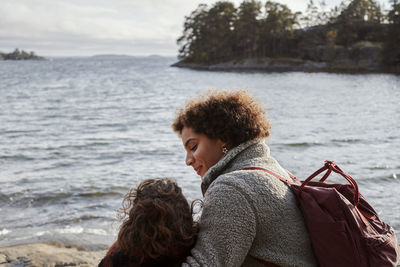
{"x": 392, "y": 42}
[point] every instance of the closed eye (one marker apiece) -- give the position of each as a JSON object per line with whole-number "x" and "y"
{"x": 193, "y": 147}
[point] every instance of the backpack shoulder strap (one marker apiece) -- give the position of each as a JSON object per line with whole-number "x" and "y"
{"x": 286, "y": 181}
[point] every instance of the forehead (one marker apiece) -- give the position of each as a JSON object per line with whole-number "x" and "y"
{"x": 188, "y": 134}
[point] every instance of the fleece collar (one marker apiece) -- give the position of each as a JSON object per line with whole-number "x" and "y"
{"x": 242, "y": 156}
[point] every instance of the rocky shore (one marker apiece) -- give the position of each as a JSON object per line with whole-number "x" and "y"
{"x": 48, "y": 254}
{"x": 284, "y": 65}
{"x": 259, "y": 65}
{"x": 363, "y": 57}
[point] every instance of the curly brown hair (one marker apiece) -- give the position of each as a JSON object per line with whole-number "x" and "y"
{"x": 159, "y": 226}
{"x": 233, "y": 117}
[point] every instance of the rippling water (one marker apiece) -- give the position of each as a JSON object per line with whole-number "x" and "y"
{"x": 77, "y": 133}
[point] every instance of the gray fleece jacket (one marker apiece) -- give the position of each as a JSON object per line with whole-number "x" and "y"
{"x": 249, "y": 213}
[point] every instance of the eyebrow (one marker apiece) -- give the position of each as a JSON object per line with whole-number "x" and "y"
{"x": 189, "y": 140}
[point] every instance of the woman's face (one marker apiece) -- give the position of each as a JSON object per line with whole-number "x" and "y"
{"x": 201, "y": 151}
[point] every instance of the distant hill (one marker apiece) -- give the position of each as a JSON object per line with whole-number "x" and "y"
{"x": 106, "y": 56}
{"x": 20, "y": 55}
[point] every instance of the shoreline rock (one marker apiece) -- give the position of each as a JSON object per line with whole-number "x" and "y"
{"x": 362, "y": 57}
{"x": 48, "y": 254}
{"x": 284, "y": 65}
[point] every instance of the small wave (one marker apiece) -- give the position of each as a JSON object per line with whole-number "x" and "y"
{"x": 25, "y": 198}
{"x": 52, "y": 197}
{"x": 21, "y": 131}
{"x": 347, "y": 140}
{"x": 29, "y": 199}
{"x": 155, "y": 152}
{"x": 89, "y": 217}
{"x": 71, "y": 220}
{"x": 111, "y": 125}
{"x": 71, "y": 230}
{"x": 99, "y": 194}
{"x": 18, "y": 198}
{"x": 299, "y": 144}
{"x": 80, "y": 230}
{"x": 96, "y": 231}
{"x": 17, "y": 157}
{"x": 122, "y": 188}
{"x": 83, "y": 146}
{"x": 4, "y": 232}
{"x": 113, "y": 162}
{"x": 303, "y": 144}
{"x": 41, "y": 233}
{"x": 391, "y": 177}
{"x": 378, "y": 168}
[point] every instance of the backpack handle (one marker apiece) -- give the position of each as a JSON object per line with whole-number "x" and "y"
{"x": 331, "y": 166}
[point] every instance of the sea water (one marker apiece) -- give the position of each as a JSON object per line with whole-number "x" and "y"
{"x": 77, "y": 133}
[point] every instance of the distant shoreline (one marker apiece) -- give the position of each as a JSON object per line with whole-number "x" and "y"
{"x": 20, "y": 55}
{"x": 286, "y": 65}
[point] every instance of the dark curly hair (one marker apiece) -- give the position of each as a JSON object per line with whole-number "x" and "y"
{"x": 233, "y": 117}
{"x": 158, "y": 225}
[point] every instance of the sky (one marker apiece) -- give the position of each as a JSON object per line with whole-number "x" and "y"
{"x": 93, "y": 27}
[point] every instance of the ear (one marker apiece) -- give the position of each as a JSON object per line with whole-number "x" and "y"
{"x": 222, "y": 144}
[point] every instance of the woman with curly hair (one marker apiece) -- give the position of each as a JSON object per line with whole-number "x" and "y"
{"x": 158, "y": 229}
{"x": 249, "y": 217}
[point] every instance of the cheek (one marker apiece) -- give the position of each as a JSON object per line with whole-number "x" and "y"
{"x": 199, "y": 154}
{"x": 203, "y": 156}
{"x": 207, "y": 155}
{"x": 214, "y": 157}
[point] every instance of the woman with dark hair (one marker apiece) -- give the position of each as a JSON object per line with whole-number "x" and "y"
{"x": 249, "y": 217}
{"x": 158, "y": 229}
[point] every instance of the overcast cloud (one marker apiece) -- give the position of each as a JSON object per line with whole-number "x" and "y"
{"x": 89, "y": 27}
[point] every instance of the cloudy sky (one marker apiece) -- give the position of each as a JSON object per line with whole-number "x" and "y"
{"x": 90, "y": 27}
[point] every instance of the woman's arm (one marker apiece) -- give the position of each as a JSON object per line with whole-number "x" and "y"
{"x": 227, "y": 227}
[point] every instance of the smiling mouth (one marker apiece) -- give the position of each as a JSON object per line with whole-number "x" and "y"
{"x": 197, "y": 170}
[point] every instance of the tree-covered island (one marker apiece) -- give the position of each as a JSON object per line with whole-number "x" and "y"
{"x": 356, "y": 36}
{"x": 20, "y": 55}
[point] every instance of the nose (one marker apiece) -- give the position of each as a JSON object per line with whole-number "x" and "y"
{"x": 189, "y": 160}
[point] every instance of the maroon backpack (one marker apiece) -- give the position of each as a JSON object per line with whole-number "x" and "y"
{"x": 345, "y": 230}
